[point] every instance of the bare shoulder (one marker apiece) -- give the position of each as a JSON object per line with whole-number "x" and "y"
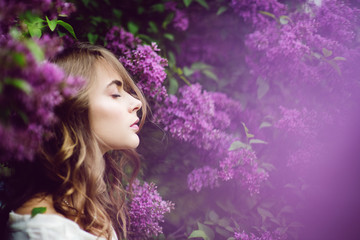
{"x": 38, "y": 201}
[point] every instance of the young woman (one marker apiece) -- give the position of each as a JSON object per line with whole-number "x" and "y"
{"x": 76, "y": 175}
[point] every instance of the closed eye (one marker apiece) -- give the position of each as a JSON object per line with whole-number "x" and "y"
{"x": 115, "y": 95}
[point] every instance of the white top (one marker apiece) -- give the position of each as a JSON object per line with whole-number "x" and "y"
{"x": 47, "y": 227}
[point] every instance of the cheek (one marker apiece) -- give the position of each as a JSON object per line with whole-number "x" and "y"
{"x": 105, "y": 119}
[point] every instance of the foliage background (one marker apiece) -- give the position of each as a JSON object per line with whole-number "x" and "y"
{"x": 255, "y": 134}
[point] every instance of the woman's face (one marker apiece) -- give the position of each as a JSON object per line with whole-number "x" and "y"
{"x": 112, "y": 111}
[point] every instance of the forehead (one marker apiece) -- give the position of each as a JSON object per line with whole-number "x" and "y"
{"x": 105, "y": 73}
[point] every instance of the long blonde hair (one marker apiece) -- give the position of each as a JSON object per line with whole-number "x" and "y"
{"x": 89, "y": 190}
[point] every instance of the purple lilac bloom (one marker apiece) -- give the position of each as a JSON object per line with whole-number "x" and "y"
{"x": 181, "y": 20}
{"x": 142, "y": 61}
{"x": 30, "y": 111}
{"x": 202, "y": 177}
{"x": 307, "y": 44}
{"x": 265, "y": 235}
{"x": 241, "y": 165}
{"x": 249, "y": 10}
{"x": 205, "y": 120}
{"x": 147, "y": 210}
{"x": 195, "y": 118}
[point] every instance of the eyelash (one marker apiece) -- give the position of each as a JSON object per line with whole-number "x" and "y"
{"x": 115, "y": 95}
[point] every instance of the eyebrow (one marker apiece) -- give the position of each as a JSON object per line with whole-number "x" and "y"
{"x": 116, "y": 82}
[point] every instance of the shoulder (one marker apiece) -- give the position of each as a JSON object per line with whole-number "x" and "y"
{"x": 44, "y": 227}
{"x": 35, "y": 202}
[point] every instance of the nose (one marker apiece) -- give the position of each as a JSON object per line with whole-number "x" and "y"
{"x": 135, "y": 104}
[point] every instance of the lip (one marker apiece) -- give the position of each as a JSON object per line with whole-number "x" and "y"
{"x": 134, "y": 125}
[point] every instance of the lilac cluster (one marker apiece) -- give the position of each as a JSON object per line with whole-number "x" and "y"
{"x": 147, "y": 210}
{"x": 205, "y": 120}
{"x": 194, "y": 117}
{"x": 202, "y": 177}
{"x": 181, "y": 20}
{"x": 301, "y": 127}
{"x": 249, "y": 10}
{"x": 31, "y": 90}
{"x": 241, "y": 165}
{"x": 299, "y": 122}
{"x": 142, "y": 61}
{"x": 265, "y": 235}
{"x": 306, "y": 43}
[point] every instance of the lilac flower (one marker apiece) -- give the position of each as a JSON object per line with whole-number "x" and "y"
{"x": 307, "y": 44}
{"x": 142, "y": 61}
{"x": 148, "y": 69}
{"x": 180, "y": 21}
{"x": 249, "y": 10}
{"x": 194, "y": 117}
{"x": 29, "y": 109}
{"x": 265, "y": 235}
{"x": 241, "y": 165}
{"x": 147, "y": 210}
{"x": 202, "y": 177}
{"x": 299, "y": 122}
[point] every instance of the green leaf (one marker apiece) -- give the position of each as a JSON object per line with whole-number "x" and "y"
{"x": 34, "y": 30}
{"x": 208, "y": 231}
{"x": 15, "y": 33}
{"x": 92, "y": 37}
{"x": 200, "y": 66}
{"x": 326, "y": 52}
{"x": 132, "y": 27}
{"x": 339, "y": 59}
{"x": 171, "y": 59}
{"x": 168, "y": 20}
{"x": 173, "y": 86}
{"x": 169, "y": 36}
{"x": 224, "y": 222}
{"x": 68, "y": 27}
{"x": 158, "y": 7}
{"x": 229, "y": 228}
{"x": 248, "y": 135}
{"x": 210, "y": 75}
{"x": 268, "y": 166}
{"x": 187, "y": 2}
{"x": 264, "y": 213}
{"x": 19, "y": 83}
{"x": 146, "y": 38}
{"x": 179, "y": 71}
{"x": 52, "y": 24}
{"x": 86, "y": 2}
{"x": 221, "y": 10}
{"x": 231, "y": 238}
{"x": 19, "y": 59}
{"x": 117, "y": 13}
{"x": 257, "y": 141}
{"x": 268, "y": 14}
{"x": 264, "y": 125}
{"x": 213, "y": 216}
{"x": 237, "y": 144}
{"x": 284, "y": 19}
{"x": 38, "y": 210}
{"x": 140, "y": 10}
{"x": 35, "y": 49}
{"x": 263, "y": 87}
{"x": 153, "y": 27}
{"x": 203, "y": 3}
{"x": 187, "y": 71}
{"x": 199, "y": 234}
